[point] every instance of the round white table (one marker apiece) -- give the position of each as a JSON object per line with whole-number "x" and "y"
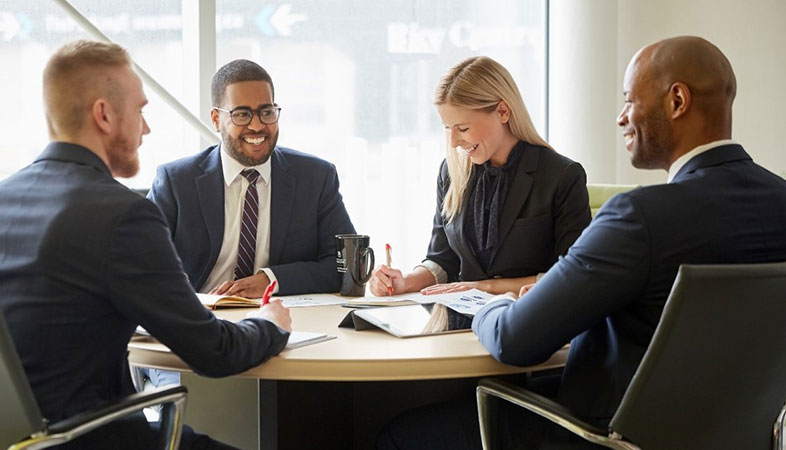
{"x": 386, "y": 375}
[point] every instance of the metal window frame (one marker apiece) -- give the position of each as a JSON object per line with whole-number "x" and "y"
{"x": 199, "y": 35}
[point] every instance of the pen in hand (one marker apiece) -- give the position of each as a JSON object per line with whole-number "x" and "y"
{"x": 388, "y": 249}
{"x": 268, "y": 293}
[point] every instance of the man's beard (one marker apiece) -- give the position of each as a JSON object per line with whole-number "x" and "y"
{"x": 232, "y": 147}
{"x": 654, "y": 152}
{"x": 122, "y": 157}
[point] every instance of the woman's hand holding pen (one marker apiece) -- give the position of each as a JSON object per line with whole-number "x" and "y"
{"x": 385, "y": 277}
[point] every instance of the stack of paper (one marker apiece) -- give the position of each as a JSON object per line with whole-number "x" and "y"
{"x": 377, "y": 302}
{"x": 467, "y": 302}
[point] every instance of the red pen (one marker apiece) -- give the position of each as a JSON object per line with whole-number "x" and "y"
{"x": 268, "y": 293}
{"x": 388, "y": 249}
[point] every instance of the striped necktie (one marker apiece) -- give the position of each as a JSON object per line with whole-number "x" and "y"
{"x": 246, "y": 251}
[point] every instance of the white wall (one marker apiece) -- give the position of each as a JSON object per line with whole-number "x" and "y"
{"x": 582, "y": 69}
{"x": 752, "y": 34}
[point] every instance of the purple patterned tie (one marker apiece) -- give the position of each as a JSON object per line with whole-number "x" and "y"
{"x": 246, "y": 250}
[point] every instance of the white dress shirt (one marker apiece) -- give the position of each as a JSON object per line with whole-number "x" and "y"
{"x": 235, "y": 186}
{"x": 682, "y": 160}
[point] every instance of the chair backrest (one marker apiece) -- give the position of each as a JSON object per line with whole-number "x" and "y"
{"x": 599, "y": 193}
{"x": 714, "y": 375}
{"x": 19, "y": 413}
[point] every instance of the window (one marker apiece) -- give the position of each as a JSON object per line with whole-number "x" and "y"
{"x": 355, "y": 80}
{"x": 151, "y": 31}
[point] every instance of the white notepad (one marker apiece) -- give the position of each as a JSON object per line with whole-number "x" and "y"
{"x": 302, "y": 338}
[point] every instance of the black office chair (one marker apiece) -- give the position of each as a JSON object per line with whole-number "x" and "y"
{"x": 23, "y": 427}
{"x": 713, "y": 377}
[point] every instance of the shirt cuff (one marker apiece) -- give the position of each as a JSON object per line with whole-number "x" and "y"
{"x": 499, "y": 297}
{"x": 271, "y": 276}
{"x": 440, "y": 276}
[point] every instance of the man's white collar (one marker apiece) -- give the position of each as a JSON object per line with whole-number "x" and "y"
{"x": 232, "y": 168}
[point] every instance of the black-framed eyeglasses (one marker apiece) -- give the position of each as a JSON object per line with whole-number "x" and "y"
{"x": 242, "y": 115}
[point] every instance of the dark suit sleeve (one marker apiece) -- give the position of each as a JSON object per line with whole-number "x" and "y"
{"x": 571, "y": 208}
{"x": 603, "y": 271}
{"x": 319, "y": 275}
{"x": 161, "y": 194}
{"x": 147, "y": 285}
{"x": 439, "y": 249}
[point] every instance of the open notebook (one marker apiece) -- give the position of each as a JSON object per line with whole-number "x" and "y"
{"x": 212, "y": 301}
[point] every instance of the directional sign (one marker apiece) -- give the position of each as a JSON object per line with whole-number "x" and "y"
{"x": 9, "y": 26}
{"x": 263, "y": 20}
{"x": 14, "y": 25}
{"x": 282, "y": 20}
{"x": 274, "y": 21}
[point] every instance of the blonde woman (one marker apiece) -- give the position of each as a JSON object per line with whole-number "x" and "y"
{"x": 507, "y": 204}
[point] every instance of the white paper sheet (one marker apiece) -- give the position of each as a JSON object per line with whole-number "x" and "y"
{"x": 299, "y": 301}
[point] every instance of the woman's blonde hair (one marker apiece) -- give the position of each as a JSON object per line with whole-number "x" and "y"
{"x": 479, "y": 83}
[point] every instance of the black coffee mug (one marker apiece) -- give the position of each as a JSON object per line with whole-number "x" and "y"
{"x": 355, "y": 263}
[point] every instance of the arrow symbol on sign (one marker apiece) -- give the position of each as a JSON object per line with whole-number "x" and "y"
{"x": 282, "y": 20}
{"x": 9, "y": 26}
{"x": 26, "y": 25}
{"x": 262, "y": 21}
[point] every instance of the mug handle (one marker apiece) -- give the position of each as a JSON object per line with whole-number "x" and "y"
{"x": 368, "y": 251}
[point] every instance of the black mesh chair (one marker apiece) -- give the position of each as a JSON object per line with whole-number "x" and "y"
{"x": 713, "y": 377}
{"x": 23, "y": 427}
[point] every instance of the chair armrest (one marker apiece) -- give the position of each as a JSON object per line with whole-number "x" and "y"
{"x": 777, "y": 430}
{"x": 127, "y": 405}
{"x": 75, "y": 426}
{"x": 543, "y": 407}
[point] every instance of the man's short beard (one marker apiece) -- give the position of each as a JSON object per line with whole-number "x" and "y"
{"x": 655, "y": 153}
{"x": 232, "y": 147}
{"x": 122, "y": 157}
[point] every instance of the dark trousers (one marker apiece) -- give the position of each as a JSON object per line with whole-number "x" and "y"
{"x": 454, "y": 425}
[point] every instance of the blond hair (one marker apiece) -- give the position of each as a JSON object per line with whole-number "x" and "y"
{"x": 479, "y": 83}
{"x": 74, "y": 78}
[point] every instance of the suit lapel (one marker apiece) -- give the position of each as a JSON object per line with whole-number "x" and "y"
{"x": 210, "y": 194}
{"x": 282, "y": 199}
{"x": 518, "y": 192}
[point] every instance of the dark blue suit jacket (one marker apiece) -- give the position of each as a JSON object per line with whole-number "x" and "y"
{"x": 608, "y": 292}
{"x": 306, "y": 212}
{"x": 83, "y": 261}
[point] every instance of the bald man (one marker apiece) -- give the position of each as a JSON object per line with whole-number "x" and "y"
{"x": 84, "y": 260}
{"x": 606, "y": 295}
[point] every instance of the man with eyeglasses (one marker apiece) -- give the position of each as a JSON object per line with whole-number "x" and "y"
{"x": 247, "y": 212}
